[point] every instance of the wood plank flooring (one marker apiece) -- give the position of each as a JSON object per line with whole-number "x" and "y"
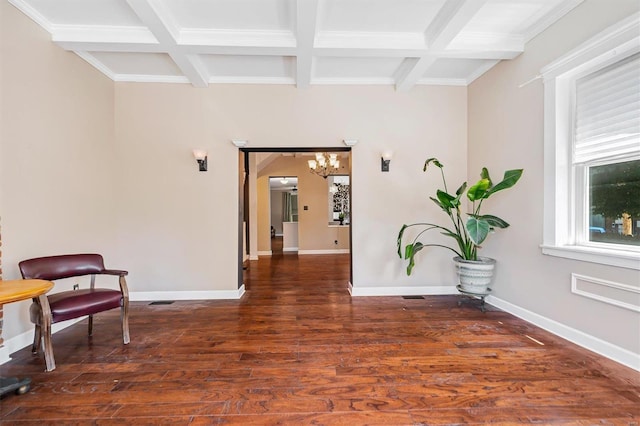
{"x": 298, "y": 349}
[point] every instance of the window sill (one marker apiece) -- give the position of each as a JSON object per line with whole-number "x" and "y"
{"x": 622, "y": 259}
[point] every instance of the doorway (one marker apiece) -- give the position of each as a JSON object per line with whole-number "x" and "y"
{"x": 283, "y": 200}
{"x": 318, "y": 233}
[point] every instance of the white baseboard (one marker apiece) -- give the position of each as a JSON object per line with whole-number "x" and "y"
{"x": 146, "y": 296}
{"x": 329, "y": 251}
{"x": 253, "y": 257}
{"x": 289, "y": 249}
{"x": 599, "y": 346}
{"x": 264, "y": 253}
{"x": 402, "y": 291}
{"x": 26, "y": 339}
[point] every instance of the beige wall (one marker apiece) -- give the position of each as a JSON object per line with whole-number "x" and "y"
{"x": 506, "y": 131}
{"x": 57, "y": 162}
{"x": 177, "y": 225}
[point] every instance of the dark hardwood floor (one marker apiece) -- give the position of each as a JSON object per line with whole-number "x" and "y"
{"x": 297, "y": 349}
{"x": 276, "y": 245}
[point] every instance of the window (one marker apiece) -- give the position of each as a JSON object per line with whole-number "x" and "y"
{"x": 605, "y": 151}
{"x": 613, "y": 203}
{"x": 592, "y": 150}
{"x": 339, "y": 206}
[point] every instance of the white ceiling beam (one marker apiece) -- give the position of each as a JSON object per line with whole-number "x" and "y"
{"x": 496, "y": 51}
{"x": 238, "y": 50}
{"x": 493, "y": 54}
{"x": 158, "y": 21}
{"x": 415, "y": 53}
{"x": 162, "y": 26}
{"x": 450, "y": 20}
{"x": 157, "y": 30}
{"x": 539, "y": 24}
{"x": 306, "y": 21}
{"x": 370, "y": 52}
{"x": 411, "y": 74}
{"x": 368, "y": 39}
{"x": 482, "y": 40}
{"x": 192, "y": 67}
{"x": 479, "y": 71}
{"x": 94, "y": 46}
{"x": 249, "y": 38}
{"x": 102, "y": 34}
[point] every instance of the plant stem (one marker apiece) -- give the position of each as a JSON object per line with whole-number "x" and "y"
{"x": 443, "y": 180}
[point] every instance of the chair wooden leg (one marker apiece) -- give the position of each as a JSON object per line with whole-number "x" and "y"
{"x": 90, "y": 325}
{"x": 37, "y": 337}
{"x": 124, "y": 318}
{"x": 45, "y": 324}
{"x": 124, "y": 309}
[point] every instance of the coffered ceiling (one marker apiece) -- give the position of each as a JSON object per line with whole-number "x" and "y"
{"x": 295, "y": 42}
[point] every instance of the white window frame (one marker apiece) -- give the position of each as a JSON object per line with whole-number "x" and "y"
{"x": 564, "y": 219}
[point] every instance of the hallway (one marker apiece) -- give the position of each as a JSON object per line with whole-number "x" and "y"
{"x": 298, "y": 349}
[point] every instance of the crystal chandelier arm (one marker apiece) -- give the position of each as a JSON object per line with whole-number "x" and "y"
{"x": 325, "y": 164}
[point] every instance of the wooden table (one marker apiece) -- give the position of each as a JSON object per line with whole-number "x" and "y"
{"x": 15, "y": 291}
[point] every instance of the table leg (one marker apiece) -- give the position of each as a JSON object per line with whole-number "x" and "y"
{"x": 12, "y": 384}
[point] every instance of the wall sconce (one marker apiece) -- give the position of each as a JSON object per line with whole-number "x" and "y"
{"x": 385, "y": 161}
{"x": 201, "y": 157}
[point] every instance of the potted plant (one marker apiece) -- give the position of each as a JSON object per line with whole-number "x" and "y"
{"x": 474, "y": 272}
{"x": 341, "y": 218}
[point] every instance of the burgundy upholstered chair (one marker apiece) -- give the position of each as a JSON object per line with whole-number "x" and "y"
{"x": 73, "y": 303}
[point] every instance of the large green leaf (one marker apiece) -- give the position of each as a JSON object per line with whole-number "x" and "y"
{"x": 495, "y": 221}
{"x": 442, "y": 206}
{"x": 459, "y": 193}
{"x": 445, "y": 199}
{"x": 478, "y": 190}
{"x": 410, "y": 254}
{"x": 455, "y": 236}
{"x": 399, "y": 242}
{"x": 478, "y": 229}
{"x": 434, "y": 161}
{"x": 484, "y": 174}
{"x": 510, "y": 178}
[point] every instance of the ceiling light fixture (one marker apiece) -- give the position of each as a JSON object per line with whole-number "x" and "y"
{"x": 284, "y": 180}
{"x": 325, "y": 164}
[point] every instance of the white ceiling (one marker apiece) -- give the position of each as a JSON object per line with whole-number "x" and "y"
{"x": 275, "y": 183}
{"x": 301, "y": 42}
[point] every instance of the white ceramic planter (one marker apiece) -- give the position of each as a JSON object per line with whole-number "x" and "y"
{"x": 475, "y": 275}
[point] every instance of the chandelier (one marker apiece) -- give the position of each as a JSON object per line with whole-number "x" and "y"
{"x": 325, "y": 164}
